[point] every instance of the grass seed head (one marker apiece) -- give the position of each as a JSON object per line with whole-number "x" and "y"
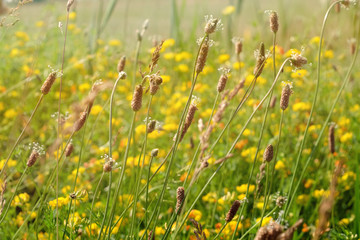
{"x": 297, "y": 60}
{"x": 69, "y": 150}
{"x": 121, "y": 64}
{"x": 285, "y": 96}
{"x": 211, "y": 25}
{"x": 137, "y": 98}
{"x": 180, "y": 196}
{"x": 200, "y": 63}
{"x": 260, "y": 61}
{"x": 274, "y": 22}
{"x": 233, "y": 210}
{"x": 222, "y": 83}
{"x": 32, "y": 159}
{"x": 268, "y": 153}
{"x": 80, "y": 122}
{"x": 332, "y": 138}
{"x": 154, "y": 152}
{"x": 151, "y": 126}
{"x": 69, "y": 4}
{"x": 45, "y": 88}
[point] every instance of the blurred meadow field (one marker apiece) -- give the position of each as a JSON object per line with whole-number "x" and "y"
{"x": 179, "y": 119}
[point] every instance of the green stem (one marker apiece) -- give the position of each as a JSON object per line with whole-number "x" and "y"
{"x": 93, "y": 201}
{"x": 12, "y": 197}
{"x": 233, "y": 145}
{"x": 312, "y": 107}
{"x": 21, "y": 134}
{"x": 267, "y": 196}
{"x": 222, "y": 228}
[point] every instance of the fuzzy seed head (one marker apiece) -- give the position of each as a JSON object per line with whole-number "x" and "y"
{"x": 45, "y": 88}
{"x": 151, "y": 126}
{"x": 180, "y": 196}
{"x": 297, "y": 60}
{"x": 156, "y": 56}
{"x": 260, "y": 61}
{"x": 332, "y": 138}
{"x": 80, "y": 122}
{"x": 137, "y": 98}
{"x": 154, "y": 152}
{"x": 121, "y": 64}
{"x": 200, "y": 63}
{"x": 238, "y": 47}
{"x": 69, "y": 4}
{"x": 69, "y": 150}
{"x": 233, "y": 210}
{"x": 285, "y": 96}
{"x": 280, "y": 201}
{"x": 268, "y": 153}
{"x": 222, "y": 83}
{"x": 107, "y": 167}
{"x": 32, "y": 159}
{"x": 274, "y": 22}
{"x": 273, "y": 102}
{"x": 211, "y": 25}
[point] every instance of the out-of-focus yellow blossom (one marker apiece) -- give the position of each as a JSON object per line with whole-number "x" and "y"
{"x": 301, "y": 106}
{"x": 329, "y": 54}
{"x": 84, "y": 87}
{"x": 300, "y": 73}
{"x": 182, "y": 68}
{"x": 308, "y": 183}
{"x": 302, "y": 199}
{"x": 344, "y": 221}
{"x": 22, "y": 36}
{"x": 96, "y": 109}
{"x": 292, "y": 52}
{"x": 355, "y": 108}
{"x": 114, "y": 42}
{"x": 238, "y": 65}
{"x": 168, "y": 43}
{"x": 61, "y": 200}
{"x": 315, "y": 40}
{"x": 10, "y": 113}
{"x": 39, "y": 24}
{"x": 346, "y": 137}
{"x": 183, "y": 56}
{"x": 344, "y": 122}
{"x": 228, "y": 10}
{"x": 223, "y": 58}
{"x": 210, "y": 197}
{"x": 11, "y": 163}
{"x": 165, "y": 78}
{"x": 319, "y": 193}
{"x": 72, "y": 15}
{"x": 279, "y": 165}
{"x": 195, "y": 214}
{"x": 20, "y": 199}
{"x": 169, "y": 56}
{"x": 265, "y": 221}
{"x": 242, "y": 188}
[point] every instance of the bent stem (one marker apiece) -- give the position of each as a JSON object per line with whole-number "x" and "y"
{"x": 232, "y": 146}
{"x": 21, "y": 134}
{"x": 268, "y": 192}
{"x": 12, "y": 197}
{"x": 312, "y": 107}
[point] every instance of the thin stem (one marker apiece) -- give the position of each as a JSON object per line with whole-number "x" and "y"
{"x": 313, "y": 151}
{"x": 110, "y": 150}
{"x": 12, "y": 197}
{"x": 267, "y": 196}
{"x": 257, "y": 223}
{"x": 93, "y": 201}
{"x": 259, "y": 141}
{"x": 232, "y": 146}
{"x": 222, "y": 228}
{"x": 141, "y": 167}
{"x": 21, "y": 134}
{"x": 117, "y": 191}
{"x": 312, "y": 107}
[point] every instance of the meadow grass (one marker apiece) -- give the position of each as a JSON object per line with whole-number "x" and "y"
{"x": 107, "y": 140}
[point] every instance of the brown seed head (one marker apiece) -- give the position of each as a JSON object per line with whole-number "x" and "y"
{"x": 80, "y": 122}
{"x": 180, "y": 196}
{"x": 268, "y": 153}
{"x": 151, "y": 126}
{"x": 45, "y": 89}
{"x": 222, "y": 83}
{"x": 233, "y": 210}
{"x": 270, "y": 232}
{"x": 137, "y": 98}
{"x": 274, "y": 22}
{"x": 273, "y": 102}
{"x": 189, "y": 118}
{"x": 200, "y": 63}
{"x": 121, "y": 64}
{"x": 32, "y": 159}
{"x": 107, "y": 167}
{"x": 151, "y": 235}
{"x": 332, "y": 138}
{"x": 211, "y": 25}
{"x": 280, "y": 201}
{"x": 260, "y": 61}
{"x": 156, "y": 56}
{"x": 285, "y": 95}
{"x": 297, "y": 60}
{"x": 238, "y": 47}
{"x": 69, "y": 4}
{"x": 352, "y": 42}
{"x": 69, "y": 150}
{"x": 154, "y": 152}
